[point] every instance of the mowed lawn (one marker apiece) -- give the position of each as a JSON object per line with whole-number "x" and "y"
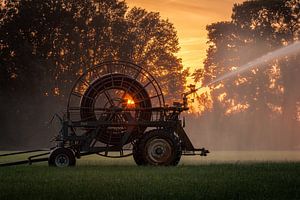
{"x": 100, "y": 178}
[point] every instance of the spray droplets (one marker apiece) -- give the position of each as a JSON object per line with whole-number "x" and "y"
{"x": 259, "y": 62}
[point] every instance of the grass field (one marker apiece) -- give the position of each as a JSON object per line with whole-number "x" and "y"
{"x": 194, "y": 178}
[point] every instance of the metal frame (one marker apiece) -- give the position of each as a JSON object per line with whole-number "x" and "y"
{"x": 162, "y": 117}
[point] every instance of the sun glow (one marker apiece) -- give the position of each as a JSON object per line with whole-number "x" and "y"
{"x": 130, "y": 102}
{"x": 236, "y": 108}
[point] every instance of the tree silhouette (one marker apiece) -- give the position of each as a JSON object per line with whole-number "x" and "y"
{"x": 45, "y": 45}
{"x": 264, "y": 101}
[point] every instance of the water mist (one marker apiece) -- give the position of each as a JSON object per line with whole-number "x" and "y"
{"x": 259, "y": 62}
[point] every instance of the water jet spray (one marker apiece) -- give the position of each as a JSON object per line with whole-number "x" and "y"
{"x": 258, "y": 62}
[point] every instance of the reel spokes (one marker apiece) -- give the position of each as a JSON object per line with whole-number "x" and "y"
{"x": 115, "y": 95}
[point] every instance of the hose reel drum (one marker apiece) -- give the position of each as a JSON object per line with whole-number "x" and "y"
{"x": 115, "y": 92}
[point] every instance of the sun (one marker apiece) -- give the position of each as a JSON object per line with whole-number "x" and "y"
{"x": 130, "y": 102}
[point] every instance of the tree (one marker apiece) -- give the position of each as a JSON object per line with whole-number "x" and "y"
{"x": 45, "y": 45}
{"x": 264, "y": 98}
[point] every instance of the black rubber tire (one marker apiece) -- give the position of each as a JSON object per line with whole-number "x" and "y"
{"x": 137, "y": 156}
{"x": 64, "y": 152}
{"x": 141, "y": 156}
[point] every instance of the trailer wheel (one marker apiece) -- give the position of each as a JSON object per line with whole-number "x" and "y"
{"x": 62, "y": 157}
{"x": 159, "y": 147}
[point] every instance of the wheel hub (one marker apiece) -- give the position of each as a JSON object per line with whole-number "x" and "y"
{"x": 62, "y": 160}
{"x": 159, "y": 150}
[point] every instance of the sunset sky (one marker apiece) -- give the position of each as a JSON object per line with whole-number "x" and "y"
{"x": 190, "y": 18}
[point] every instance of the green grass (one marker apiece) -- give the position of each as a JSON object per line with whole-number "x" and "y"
{"x": 121, "y": 179}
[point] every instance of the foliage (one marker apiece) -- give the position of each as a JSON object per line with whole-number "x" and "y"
{"x": 262, "y": 97}
{"x": 46, "y": 45}
{"x": 56, "y": 40}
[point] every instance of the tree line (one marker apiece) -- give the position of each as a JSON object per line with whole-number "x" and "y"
{"x": 45, "y": 45}
{"x": 259, "y": 109}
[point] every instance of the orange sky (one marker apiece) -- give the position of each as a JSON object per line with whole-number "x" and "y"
{"x": 190, "y": 18}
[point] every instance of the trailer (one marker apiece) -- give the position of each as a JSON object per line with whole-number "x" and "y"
{"x": 117, "y": 109}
